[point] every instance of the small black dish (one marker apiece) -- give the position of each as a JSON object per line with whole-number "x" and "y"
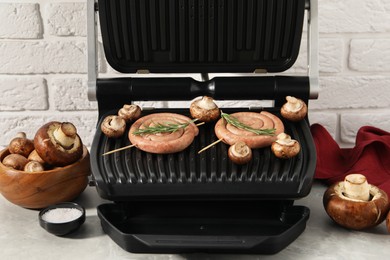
{"x": 62, "y": 218}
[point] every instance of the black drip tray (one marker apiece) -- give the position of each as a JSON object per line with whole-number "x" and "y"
{"x": 264, "y": 227}
{"x": 134, "y": 174}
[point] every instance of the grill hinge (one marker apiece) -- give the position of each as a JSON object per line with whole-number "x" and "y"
{"x": 143, "y": 71}
{"x": 260, "y": 71}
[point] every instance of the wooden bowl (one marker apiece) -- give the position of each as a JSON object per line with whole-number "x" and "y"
{"x": 41, "y": 189}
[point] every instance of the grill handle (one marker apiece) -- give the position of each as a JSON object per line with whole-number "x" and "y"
{"x": 112, "y": 93}
{"x": 163, "y": 243}
{"x": 200, "y": 242}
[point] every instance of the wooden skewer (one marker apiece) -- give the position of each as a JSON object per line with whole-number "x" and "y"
{"x": 202, "y": 123}
{"x": 210, "y": 145}
{"x": 119, "y": 149}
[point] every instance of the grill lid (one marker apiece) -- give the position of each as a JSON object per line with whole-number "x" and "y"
{"x": 200, "y": 36}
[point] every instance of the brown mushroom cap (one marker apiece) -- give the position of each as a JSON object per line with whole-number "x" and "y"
{"x": 352, "y": 213}
{"x": 388, "y": 222}
{"x": 34, "y": 156}
{"x": 285, "y": 147}
{"x": 240, "y": 153}
{"x": 21, "y": 145}
{"x": 113, "y": 126}
{"x": 33, "y": 166}
{"x": 130, "y": 112}
{"x": 58, "y": 143}
{"x": 205, "y": 109}
{"x": 294, "y": 109}
{"x": 15, "y": 161}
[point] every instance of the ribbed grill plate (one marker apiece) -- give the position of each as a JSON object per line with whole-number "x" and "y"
{"x": 134, "y": 174}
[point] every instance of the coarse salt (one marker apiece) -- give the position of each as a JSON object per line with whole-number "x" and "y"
{"x": 61, "y": 215}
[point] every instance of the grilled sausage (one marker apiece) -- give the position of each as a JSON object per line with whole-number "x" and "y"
{"x": 163, "y": 143}
{"x": 264, "y": 120}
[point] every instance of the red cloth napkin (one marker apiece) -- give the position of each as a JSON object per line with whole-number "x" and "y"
{"x": 370, "y": 156}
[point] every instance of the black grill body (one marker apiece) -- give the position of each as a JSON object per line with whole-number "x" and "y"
{"x": 190, "y": 202}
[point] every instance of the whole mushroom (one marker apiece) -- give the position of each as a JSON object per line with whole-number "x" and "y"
{"x": 240, "y": 153}
{"x": 33, "y": 166}
{"x": 294, "y": 109}
{"x": 34, "y": 156}
{"x": 15, "y": 161}
{"x": 21, "y": 145}
{"x": 284, "y": 147}
{"x": 355, "y": 204}
{"x": 113, "y": 126}
{"x": 58, "y": 143}
{"x": 205, "y": 109}
{"x": 130, "y": 112}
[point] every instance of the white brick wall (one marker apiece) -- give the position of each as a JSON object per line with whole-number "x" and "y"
{"x": 43, "y": 57}
{"x": 23, "y": 16}
{"x": 43, "y": 67}
{"x": 67, "y": 19}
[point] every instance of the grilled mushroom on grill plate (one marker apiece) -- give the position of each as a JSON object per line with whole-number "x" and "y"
{"x": 204, "y": 109}
{"x": 113, "y": 126}
{"x": 240, "y": 153}
{"x": 130, "y": 112}
{"x": 285, "y": 147}
{"x": 294, "y": 110}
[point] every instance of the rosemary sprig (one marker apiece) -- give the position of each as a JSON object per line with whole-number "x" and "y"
{"x": 162, "y": 128}
{"x": 235, "y": 122}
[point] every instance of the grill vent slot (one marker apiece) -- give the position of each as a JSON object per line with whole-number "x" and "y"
{"x": 260, "y": 33}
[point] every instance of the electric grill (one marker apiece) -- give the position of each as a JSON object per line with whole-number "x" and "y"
{"x": 190, "y": 202}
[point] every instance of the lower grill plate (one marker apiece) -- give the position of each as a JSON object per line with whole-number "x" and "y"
{"x": 133, "y": 174}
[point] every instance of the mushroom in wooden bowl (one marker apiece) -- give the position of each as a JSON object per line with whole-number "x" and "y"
{"x": 37, "y": 189}
{"x": 388, "y": 221}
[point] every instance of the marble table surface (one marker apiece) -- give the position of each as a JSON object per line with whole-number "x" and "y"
{"x": 21, "y": 237}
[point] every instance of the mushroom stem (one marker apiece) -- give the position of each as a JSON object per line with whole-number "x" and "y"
{"x": 207, "y": 103}
{"x": 356, "y": 187}
{"x": 293, "y": 104}
{"x": 240, "y": 149}
{"x": 65, "y": 135}
{"x": 284, "y": 147}
{"x": 285, "y": 139}
{"x": 116, "y": 123}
